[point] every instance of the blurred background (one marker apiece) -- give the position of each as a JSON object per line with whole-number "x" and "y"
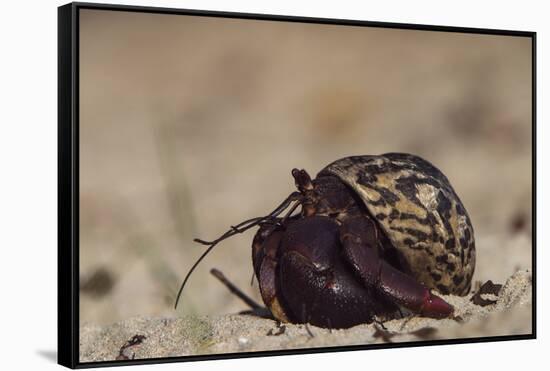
{"x": 191, "y": 124}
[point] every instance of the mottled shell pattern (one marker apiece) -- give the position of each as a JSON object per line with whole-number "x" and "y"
{"x": 419, "y": 211}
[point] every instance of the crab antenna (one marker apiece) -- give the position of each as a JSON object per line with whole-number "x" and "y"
{"x": 239, "y": 228}
{"x": 234, "y": 230}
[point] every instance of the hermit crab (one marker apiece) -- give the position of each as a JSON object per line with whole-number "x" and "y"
{"x": 374, "y": 235}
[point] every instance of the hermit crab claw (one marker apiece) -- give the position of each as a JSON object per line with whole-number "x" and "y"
{"x": 358, "y": 247}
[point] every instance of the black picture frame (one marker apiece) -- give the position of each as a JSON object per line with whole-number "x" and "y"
{"x": 68, "y": 179}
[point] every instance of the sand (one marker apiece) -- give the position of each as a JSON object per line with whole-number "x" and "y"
{"x": 153, "y": 337}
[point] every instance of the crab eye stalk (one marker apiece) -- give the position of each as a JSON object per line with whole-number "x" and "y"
{"x": 302, "y": 180}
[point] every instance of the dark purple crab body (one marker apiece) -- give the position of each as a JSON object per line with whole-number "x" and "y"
{"x": 375, "y": 233}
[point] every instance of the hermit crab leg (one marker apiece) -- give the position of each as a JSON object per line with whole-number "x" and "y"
{"x": 358, "y": 238}
{"x": 235, "y": 290}
{"x": 239, "y": 228}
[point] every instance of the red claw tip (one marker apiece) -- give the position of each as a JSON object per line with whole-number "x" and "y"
{"x": 436, "y": 307}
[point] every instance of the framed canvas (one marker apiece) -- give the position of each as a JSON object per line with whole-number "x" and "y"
{"x": 240, "y": 185}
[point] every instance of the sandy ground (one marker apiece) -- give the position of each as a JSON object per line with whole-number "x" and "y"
{"x": 508, "y": 313}
{"x": 192, "y": 335}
